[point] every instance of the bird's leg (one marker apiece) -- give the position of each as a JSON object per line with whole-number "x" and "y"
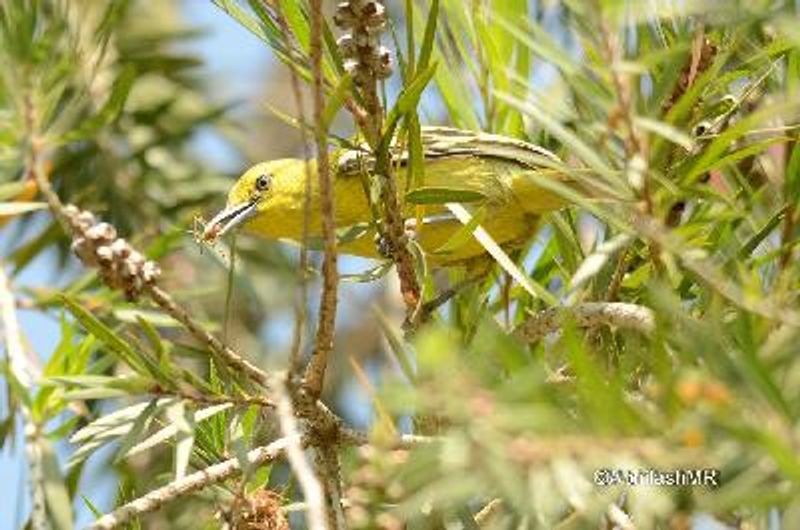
{"x": 384, "y": 244}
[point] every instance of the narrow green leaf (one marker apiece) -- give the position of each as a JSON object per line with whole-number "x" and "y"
{"x": 370, "y": 275}
{"x": 182, "y": 419}
{"x": 297, "y": 22}
{"x": 140, "y": 425}
{"x": 171, "y": 430}
{"x": 410, "y": 44}
{"x": 335, "y": 101}
{"x": 792, "y": 185}
{"x": 426, "y": 50}
{"x": 406, "y": 102}
{"x": 59, "y": 504}
{"x": 409, "y": 97}
{"x": 495, "y": 251}
{"x": 106, "y": 335}
{"x": 110, "y": 110}
{"x": 463, "y": 234}
{"x": 92, "y": 508}
{"x": 396, "y": 345}
{"x": 416, "y": 156}
{"x": 666, "y": 131}
{"x": 11, "y": 209}
{"x": 438, "y": 195}
{"x": 153, "y": 318}
{"x": 753, "y": 241}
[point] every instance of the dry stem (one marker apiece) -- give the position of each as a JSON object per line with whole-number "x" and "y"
{"x": 196, "y": 481}
{"x": 312, "y": 489}
{"x": 315, "y": 371}
{"x": 295, "y": 361}
{"x": 588, "y": 314}
{"x": 24, "y": 373}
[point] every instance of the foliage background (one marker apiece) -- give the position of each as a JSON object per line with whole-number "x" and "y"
{"x": 138, "y": 131}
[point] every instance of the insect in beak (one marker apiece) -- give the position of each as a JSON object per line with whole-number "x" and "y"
{"x": 228, "y": 219}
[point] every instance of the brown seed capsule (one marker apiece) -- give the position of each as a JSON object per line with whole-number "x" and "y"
{"x": 347, "y": 45}
{"x": 84, "y": 250}
{"x": 150, "y": 272}
{"x": 102, "y": 233}
{"x": 104, "y": 254}
{"x": 345, "y": 17}
{"x": 84, "y": 220}
{"x": 120, "y": 248}
{"x": 71, "y": 211}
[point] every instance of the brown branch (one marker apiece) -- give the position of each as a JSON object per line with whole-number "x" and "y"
{"x": 157, "y": 498}
{"x": 313, "y": 493}
{"x": 700, "y": 60}
{"x": 24, "y": 372}
{"x": 222, "y": 351}
{"x": 635, "y": 147}
{"x": 587, "y": 314}
{"x": 368, "y": 63}
{"x": 790, "y": 216}
{"x": 315, "y": 371}
{"x": 329, "y": 470}
{"x": 295, "y": 361}
{"x": 216, "y": 473}
{"x": 80, "y": 226}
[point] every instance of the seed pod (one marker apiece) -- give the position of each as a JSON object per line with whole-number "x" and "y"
{"x": 101, "y": 233}
{"x": 84, "y": 220}
{"x": 120, "y": 248}
{"x": 104, "y": 254}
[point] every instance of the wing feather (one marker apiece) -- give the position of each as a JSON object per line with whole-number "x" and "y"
{"x": 446, "y": 142}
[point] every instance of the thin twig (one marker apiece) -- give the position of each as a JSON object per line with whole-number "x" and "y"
{"x": 157, "y": 498}
{"x": 618, "y": 276}
{"x": 789, "y": 219}
{"x": 315, "y": 372}
{"x": 312, "y": 489}
{"x": 216, "y": 473}
{"x": 204, "y": 399}
{"x": 25, "y": 373}
{"x": 295, "y": 361}
{"x": 158, "y": 295}
{"x": 368, "y": 64}
{"x": 224, "y": 352}
{"x": 588, "y": 314}
{"x": 635, "y": 146}
{"x": 327, "y": 462}
{"x": 618, "y": 519}
{"x": 489, "y": 513}
{"x": 21, "y": 366}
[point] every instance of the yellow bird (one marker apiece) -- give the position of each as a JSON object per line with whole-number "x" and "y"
{"x": 495, "y": 171}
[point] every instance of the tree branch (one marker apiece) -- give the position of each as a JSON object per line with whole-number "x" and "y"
{"x": 196, "y": 481}
{"x": 222, "y": 351}
{"x": 25, "y": 373}
{"x": 315, "y": 371}
{"x": 312, "y": 489}
{"x": 588, "y": 314}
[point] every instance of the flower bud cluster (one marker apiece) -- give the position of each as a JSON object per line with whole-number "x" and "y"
{"x": 97, "y": 245}
{"x": 364, "y": 58}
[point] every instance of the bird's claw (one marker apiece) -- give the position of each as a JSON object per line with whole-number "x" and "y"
{"x": 384, "y": 243}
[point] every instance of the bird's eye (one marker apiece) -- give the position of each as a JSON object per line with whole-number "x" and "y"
{"x": 263, "y": 182}
{"x": 702, "y": 128}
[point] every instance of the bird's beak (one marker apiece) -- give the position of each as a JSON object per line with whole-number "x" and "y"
{"x": 228, "y": 219}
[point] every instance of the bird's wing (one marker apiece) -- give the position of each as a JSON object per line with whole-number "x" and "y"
{"x": 445, "y": 142}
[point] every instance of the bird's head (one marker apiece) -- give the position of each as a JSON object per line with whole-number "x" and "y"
{"x": 259, "y": 190}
